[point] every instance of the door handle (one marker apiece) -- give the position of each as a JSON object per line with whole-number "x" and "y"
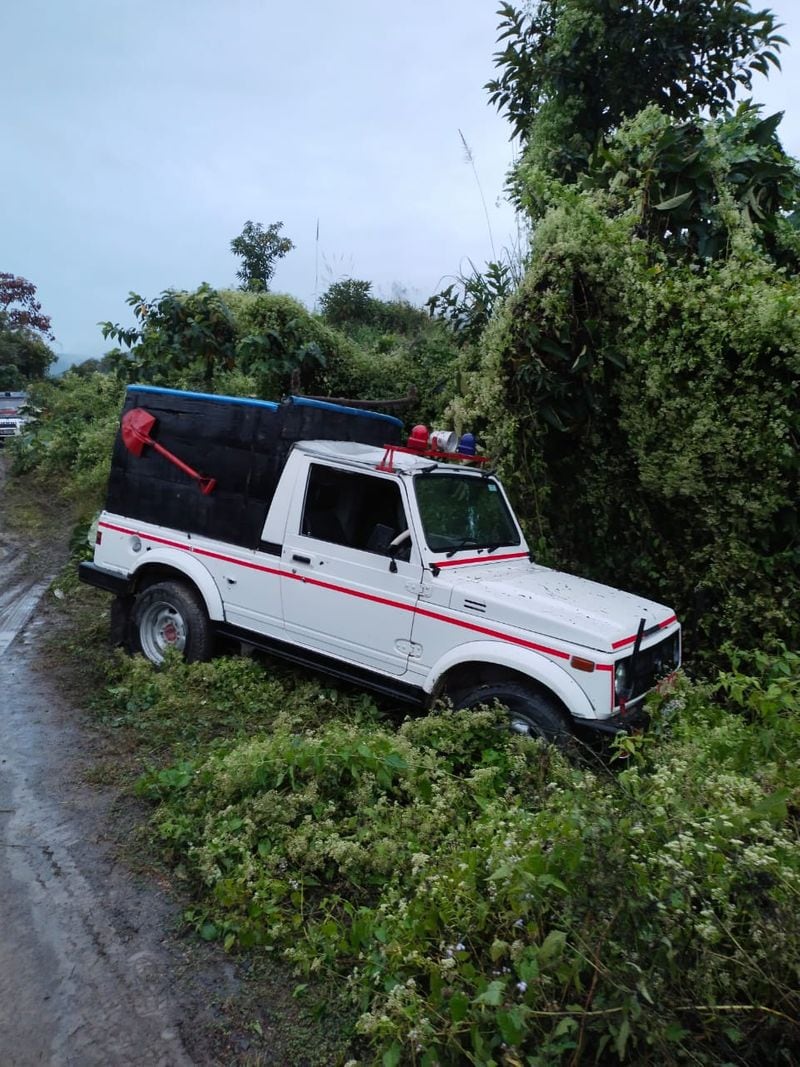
{"x": 301, "y": 559}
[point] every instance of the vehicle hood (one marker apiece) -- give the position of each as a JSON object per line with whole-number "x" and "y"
{"x": 556, "y": 605}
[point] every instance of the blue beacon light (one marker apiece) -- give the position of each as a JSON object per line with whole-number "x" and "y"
{"x": 466, "y": 446}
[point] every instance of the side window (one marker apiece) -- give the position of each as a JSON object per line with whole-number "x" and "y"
{"x": 360, "y": 511}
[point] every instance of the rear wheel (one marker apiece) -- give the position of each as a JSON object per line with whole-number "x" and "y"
{"x": 531, "y": 713}
{"x": 169, "y": 615}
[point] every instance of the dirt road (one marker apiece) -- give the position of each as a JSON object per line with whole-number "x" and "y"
{"x": 89, "y": 973}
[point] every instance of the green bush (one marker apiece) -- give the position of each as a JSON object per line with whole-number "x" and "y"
{"x": 277, "y": 334}
{"x": 641, "y": 401}
{"x": 348, "y": 302}
{"x": 70, "y": 441}
{"x": 486, "y": 901}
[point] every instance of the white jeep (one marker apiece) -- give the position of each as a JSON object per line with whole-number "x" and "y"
{"x": 12, "y": 419}
{"x": 402, "y": 568}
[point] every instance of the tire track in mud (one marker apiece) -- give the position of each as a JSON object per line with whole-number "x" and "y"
{"x": 19, "y": 593}
{"x": 17, "y": 604}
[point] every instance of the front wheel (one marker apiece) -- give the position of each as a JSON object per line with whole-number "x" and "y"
{"x": 170, "y": 615}
{"x": 530, "y": 712}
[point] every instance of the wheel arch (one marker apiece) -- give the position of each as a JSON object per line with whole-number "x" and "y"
{"x": 162, "y": 566}
{"x": 482, "y": 662}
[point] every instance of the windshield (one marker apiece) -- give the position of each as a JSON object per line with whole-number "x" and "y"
{"x": 11, "y": 405}
{"x": 462, "y": 511}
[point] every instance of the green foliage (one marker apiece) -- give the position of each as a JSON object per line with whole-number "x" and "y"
{"x": 269, "y": 345}
{"x": 190, "y": 705}
{"x": 69, "y": 443}
{"x": 693, "y": 184}
{"x": 24, "y": 329}
{"x": 400, "y": 316}
{"x": 480, "y": 898}
{"x": 572, "y": 70}
{"x": 105, "y": 365}
{"x": 348, "y": 302}
{"x": 178, "y": 333}
{"x": 276, "y": 335}
{"x": 641, "y": 399}
{"x": 395, "y": 349}
{"x": 383, "y": 365}
{"x": 468, "y": 303}
{"x": 259, "y": 249}
{"x": 24, "y": 357}
{"x": 349, "y": 305}
{"x": 195, "y": 340}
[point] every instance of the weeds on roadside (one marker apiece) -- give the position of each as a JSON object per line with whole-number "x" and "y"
{"x": 483, "y": 899}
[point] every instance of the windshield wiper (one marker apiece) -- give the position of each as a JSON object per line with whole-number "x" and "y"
{"x": 465, "y": 542}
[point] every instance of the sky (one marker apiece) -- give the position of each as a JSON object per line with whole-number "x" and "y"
{"x": 136, "y": 139}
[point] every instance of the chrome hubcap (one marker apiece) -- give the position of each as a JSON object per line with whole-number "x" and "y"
{"x": 161, "y": 627}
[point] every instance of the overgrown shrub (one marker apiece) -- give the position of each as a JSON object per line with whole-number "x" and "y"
{"x": 641, "y": 400}
{"x": 69, "y": 442}
{"x": 348, "y": 302}
{"x": 278, "y": 335}
{"x": 487, "y": 901}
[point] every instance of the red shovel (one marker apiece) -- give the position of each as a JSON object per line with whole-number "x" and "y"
{"x": 136, "y": 426}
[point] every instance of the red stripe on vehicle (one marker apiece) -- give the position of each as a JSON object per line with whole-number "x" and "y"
{"x": 195, "y": 550}
{"x": 630, "y": 640}
{"x": 413, "y": 608}
{"x": 493, "y": 633}
{"x": 609, "y": 667}
{"x": 240, "y": 562}
{"x": 481, "y": 559}
{"x": 147, "y": 537}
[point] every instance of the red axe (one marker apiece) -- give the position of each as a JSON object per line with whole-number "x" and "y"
{"x": 136, "y": 426}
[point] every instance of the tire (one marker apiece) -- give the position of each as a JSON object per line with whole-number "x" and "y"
{"x": 170, "y": 615}
{"x": 531, "y": 713}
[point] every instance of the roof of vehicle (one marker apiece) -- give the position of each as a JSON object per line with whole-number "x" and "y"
{"x": 373, "y": 458}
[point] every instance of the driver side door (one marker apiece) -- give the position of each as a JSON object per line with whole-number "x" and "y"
{"x": 344, "y": 594}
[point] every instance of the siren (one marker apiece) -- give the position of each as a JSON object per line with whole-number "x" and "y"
{"x": 418, "y": 439}
{"x": 467, "y": 446}
{"x": 443, "y": 441}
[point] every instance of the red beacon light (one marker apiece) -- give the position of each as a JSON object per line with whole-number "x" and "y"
{"x": 418, "y": 441}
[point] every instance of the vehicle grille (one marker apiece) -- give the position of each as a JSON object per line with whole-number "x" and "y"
{"x": 654, "y": 663}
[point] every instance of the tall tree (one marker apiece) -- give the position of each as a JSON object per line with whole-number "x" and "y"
{"x": 24, "y": 330}
{"x": 572, "y": 70}
{"x": 259, "y": 250}
{"x": 19, "y": 308}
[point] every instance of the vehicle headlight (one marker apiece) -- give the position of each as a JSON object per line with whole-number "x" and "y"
{"x": 621, "y": 676}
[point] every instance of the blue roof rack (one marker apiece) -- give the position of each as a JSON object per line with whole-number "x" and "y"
{"x": 299, "y": 401}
